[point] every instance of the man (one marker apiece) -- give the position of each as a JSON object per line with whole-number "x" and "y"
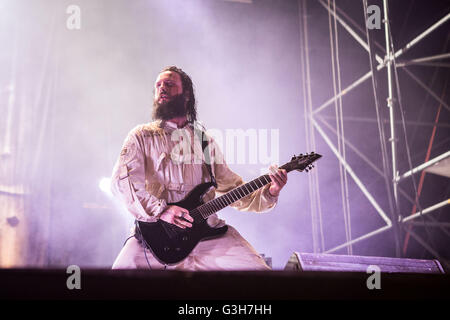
{"x": 147, "y": 177}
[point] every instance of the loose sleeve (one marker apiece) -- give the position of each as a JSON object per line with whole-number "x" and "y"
{"x": 128, "y": 182}
{"x": 259, "y": 201}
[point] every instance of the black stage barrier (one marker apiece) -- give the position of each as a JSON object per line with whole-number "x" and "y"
{"x": 248, "y": 285}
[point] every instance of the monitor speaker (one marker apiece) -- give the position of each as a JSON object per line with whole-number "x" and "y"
{"x": 332, "y": 262}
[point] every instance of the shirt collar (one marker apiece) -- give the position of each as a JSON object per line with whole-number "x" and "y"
{"x": 169, "y": 125}
{"x": 173, "y": 125}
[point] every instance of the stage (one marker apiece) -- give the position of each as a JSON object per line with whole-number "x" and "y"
{"x": 103, "y": 284}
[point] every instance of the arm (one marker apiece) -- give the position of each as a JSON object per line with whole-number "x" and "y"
{"x": 128, "y": 182}
{"x": 259, "y": 201}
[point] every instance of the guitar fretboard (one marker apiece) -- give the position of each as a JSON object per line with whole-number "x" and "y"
{"x": 300, "y": 163}
{"x": 212, "y": 206}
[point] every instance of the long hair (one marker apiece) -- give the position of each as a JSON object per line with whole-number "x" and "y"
{"x": 188, "y": 91}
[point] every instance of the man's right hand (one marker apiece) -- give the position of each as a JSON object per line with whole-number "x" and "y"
{"x": 177, "y": 216}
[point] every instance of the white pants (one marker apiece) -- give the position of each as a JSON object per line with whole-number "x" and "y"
{"x": 228, "y": 252}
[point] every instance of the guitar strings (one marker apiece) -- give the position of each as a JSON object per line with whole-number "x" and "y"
{"x": 234, "y": 195}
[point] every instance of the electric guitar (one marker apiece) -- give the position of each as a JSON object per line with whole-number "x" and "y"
{"x": 170, "y": 244}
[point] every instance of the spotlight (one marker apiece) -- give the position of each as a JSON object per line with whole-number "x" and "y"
{"x": 104, "y": 185}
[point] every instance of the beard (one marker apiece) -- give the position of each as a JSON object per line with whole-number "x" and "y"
{"x": 173, "y": 108}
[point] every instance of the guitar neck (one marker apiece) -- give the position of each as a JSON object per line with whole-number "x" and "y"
{"x": 214, "y": 205}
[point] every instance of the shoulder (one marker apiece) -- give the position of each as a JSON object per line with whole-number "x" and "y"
{"x": 134, "y": 141}
{"x": 146, "y": 129}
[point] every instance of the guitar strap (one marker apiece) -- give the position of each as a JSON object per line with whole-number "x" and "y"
{"x": 207, "y": 159}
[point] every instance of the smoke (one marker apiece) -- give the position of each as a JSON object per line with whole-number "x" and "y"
{"x": 90, "y": 86}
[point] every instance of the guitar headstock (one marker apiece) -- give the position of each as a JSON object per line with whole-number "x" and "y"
{"x": 302, "y": 162}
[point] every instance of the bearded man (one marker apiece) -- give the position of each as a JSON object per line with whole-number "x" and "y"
{"x": 149, "y": 180}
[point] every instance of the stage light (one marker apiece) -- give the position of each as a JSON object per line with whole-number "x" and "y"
{"x": 104, "y": 185}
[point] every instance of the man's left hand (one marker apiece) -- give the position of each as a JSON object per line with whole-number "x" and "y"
{"x": 279, "y": 180}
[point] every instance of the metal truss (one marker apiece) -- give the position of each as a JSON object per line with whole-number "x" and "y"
{"x": 316, "y": 122}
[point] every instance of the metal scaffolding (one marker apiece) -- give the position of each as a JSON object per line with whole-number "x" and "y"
{"x": 315, "y": 122}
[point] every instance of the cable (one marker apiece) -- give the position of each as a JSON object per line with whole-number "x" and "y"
{"x": 142, "y": 242}
{"x": 145, "y": 254}
{"x": 126, "y": 240}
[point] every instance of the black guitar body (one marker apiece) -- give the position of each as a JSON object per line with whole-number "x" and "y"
{"x": 171, "y": 244}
